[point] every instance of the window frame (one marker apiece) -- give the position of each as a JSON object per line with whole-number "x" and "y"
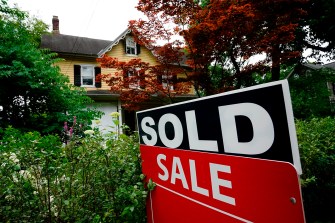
{"x": 167, "y": 80}
{"x": 77, "y": 78}
{"x": 131, "y": 48}
{"x": 81, "y": 75}
{"x": 133, "y": 73}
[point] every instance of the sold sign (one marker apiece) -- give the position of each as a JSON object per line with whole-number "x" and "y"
{"x": 217, "y": 155}
{"x": 255, "y": 122}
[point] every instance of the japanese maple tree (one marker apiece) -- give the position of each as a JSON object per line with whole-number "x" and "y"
{"x": 238, "y": 29}
{"x": 207, "y": 34}
{"x": 138, "y": 82}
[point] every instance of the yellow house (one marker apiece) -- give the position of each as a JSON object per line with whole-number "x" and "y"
{"x": 80, "y": 55}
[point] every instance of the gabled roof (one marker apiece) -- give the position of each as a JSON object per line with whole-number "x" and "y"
{"x": 305, "y": 66}
{"x": 74, "y": 44}
{"x": 88, "y": 47}
{"x": 313, "y": 66}
{"x": 80, "y": 45}
{"x": 114, "y": 43}
{"x": 319, "y": 66}
{"x": 330, "y": 65}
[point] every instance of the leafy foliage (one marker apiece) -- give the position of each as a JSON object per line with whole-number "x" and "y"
{"x": 137, "y": 81}
{"x": 34, "y": 95}
{"x": 216, "y": 32}
{"x": 317, "y": 151}
{"x": 229, "y": 34}
{"x": 317, "y": 28}
{"x": 92, "y": 179}
{"x": 310, "y": 94}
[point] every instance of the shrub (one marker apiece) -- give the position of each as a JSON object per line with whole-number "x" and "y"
{"x": 94, "y": 178}
{"x": 317, "y": 151}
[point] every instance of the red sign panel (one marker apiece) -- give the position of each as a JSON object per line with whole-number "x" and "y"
{"x": 207, "y": 187}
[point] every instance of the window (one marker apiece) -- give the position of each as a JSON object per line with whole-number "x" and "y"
{"x": 87, "y": 76}
{"x": 168, "y": 81}
{"x": 133, "y": 79}
{"x": 131, "y": 46}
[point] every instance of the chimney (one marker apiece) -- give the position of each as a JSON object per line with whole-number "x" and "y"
{"x": 55, "y": 25}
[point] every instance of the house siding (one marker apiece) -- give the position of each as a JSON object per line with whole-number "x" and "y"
{"x": 146, "y": 55}
{"x": 119, "y": 52}
{"x": 67, "y": 65}
{"x": 84, "y": 51}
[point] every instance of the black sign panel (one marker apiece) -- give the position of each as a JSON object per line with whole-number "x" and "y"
{"x": 254, "y": 122}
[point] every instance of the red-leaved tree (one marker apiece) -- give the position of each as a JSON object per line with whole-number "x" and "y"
{"x": 138, "y": 82}
{"x": 200, "y": 35}
{"x": 223, "y": 29}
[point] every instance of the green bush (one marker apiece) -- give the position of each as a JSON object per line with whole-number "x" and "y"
{"x": 94, "y": 178}
{"x": 316, "y": 139}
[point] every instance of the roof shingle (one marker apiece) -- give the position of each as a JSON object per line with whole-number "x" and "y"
{"x": 73, "y": 44}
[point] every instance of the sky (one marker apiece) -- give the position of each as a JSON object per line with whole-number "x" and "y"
{"x": 99, "y": 19}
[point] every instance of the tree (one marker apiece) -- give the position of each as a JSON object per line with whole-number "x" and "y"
{"x": 34, "y": 95}
{"x": 317, "y": 29}
{"x": 138, "y": 82}
{"x": 224, "y": 35}
{"x": 216, "y": 30}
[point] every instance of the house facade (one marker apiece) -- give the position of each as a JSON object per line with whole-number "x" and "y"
{"x": 80, "y": 64}
{"x": 331, "y": 85}
{"x": 315, "y": 76}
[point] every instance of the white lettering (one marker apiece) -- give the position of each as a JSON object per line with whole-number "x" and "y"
{"x": 193, "y": 138}
{"x": 217, "y": 182}
{"x": 164, "y": 177}
{"x": 194, "y": 182}
{"x": 262, "y": 128}
{"x": 178, "y": 130}
{"x": 178, "y": 172}
{"x": 148, "y": 130}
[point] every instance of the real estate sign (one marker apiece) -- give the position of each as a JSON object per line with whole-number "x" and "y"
{"x": 232, "y": 157}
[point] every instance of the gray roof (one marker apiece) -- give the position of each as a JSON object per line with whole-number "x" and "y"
{"x": 330, "y": 65}
{"x": 82, "y": 46}
{"x": 73, "y": 44}
{"x": 313, "y": 66}
{"x": 319, "y": 66}
{"x": 115, "y": 42}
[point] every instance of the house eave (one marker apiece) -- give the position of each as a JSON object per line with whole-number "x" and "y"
{"x": 103, "y": 96}
{"x": 92, "y": 56}
{"x": 114, "y": 43}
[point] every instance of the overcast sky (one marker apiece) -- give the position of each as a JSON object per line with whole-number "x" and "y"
{"x": 100, "y": 19}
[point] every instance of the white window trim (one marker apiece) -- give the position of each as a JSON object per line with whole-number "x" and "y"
{"x": 81, "y": 75}
{"x": 129, "y": 38}
{"x": 167, "y": 81}
{"x": 132, "y": 73}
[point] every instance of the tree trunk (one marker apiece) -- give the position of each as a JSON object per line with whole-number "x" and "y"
{"x": 275, "y": 69}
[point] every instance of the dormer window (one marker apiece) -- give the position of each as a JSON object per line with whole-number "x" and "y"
{"x": 131, "y": 46}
